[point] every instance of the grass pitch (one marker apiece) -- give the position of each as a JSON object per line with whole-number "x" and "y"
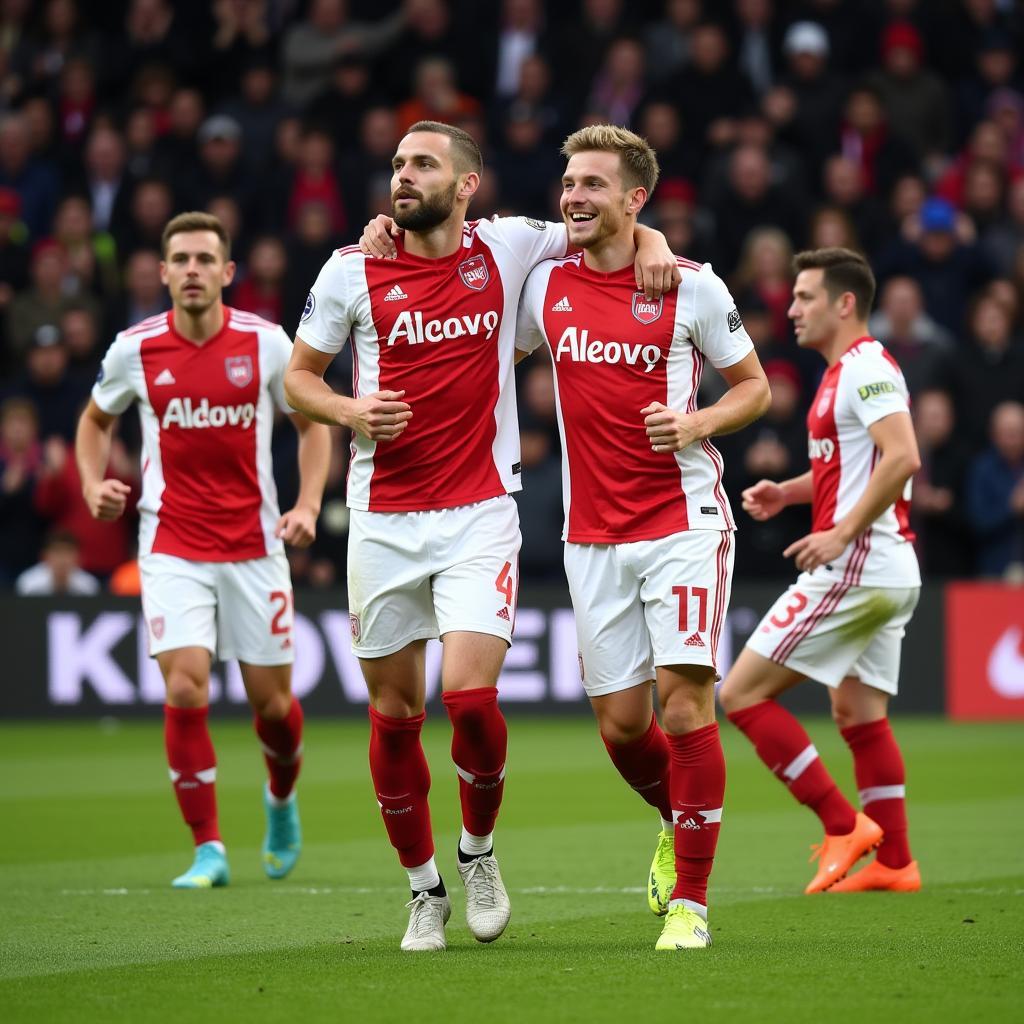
{"x": 91, "y": 931}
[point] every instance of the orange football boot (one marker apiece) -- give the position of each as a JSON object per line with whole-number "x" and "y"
{"x": 876, "y": 877}
{"x": 837, "y": 854}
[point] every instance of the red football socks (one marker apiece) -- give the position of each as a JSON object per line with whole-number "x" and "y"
{"x": 644, "y": 764}
{"x": 193, "y": 766}
{"x": 784, "y": 746}
{"x": 881, "y": 780}
{"x": 402, "y": 781}
{"x": 698, "y": 791}
{"x": 282, "y": 749}
{"x": 479, "y": 747}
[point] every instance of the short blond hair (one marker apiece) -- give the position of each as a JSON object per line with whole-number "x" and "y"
{"x": 637, "y": 160}
{"x": 195, "y": 220}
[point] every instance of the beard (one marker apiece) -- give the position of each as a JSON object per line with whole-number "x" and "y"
{"x": 429, "y": 214}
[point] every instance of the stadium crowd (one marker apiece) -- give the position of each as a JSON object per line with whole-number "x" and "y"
{"x": 895, "y": 127}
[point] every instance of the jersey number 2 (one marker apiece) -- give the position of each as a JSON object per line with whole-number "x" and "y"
{"x": 277, "y": 626}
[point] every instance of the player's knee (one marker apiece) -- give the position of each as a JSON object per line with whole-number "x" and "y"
{"x": 684, "y": 716}
{"x": 185, "y": 690}
{"x": 619, "y": 731}
{"x": 273, "y": 707}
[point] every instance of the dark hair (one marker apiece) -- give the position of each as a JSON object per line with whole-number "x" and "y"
{"x": 195, "y": 220}
{"x": 844, "y": 271}
{"x": 465, "y": 152}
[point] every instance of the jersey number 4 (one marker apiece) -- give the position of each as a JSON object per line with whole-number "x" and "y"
{"x": 503, "y": 584}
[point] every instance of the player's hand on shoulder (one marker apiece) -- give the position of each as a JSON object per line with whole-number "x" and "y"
{"x": 669, "y": 430}
{"x": 816, "y": 549}
{"x": 297, "y": 527}
{"x": 107, "y": 499}
{"x": 376, "y": 238}
{"x": 764, "y": 500}
{"x": 656, "y": 269}
{"x": 381, "y": 416}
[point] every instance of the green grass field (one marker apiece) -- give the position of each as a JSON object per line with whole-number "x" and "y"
{"x": 90, "y": 930}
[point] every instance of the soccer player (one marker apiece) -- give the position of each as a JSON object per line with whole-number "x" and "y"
{"x": 434, "y": 534}
{"x": 215, "y": 579}
{"x": 843, "y": 620}
{"x": 648, "y": 528}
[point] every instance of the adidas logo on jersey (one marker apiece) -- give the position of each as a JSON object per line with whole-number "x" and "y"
{"x": 694, "y": 641}
{"x": 562, "y": 305}
{"x": 580, "y": 348}
{"x": 395, "y": 294}
{"x": 181, "y": 413}
{"x": 164, "y": 377}
{"x": 503, "y": 614}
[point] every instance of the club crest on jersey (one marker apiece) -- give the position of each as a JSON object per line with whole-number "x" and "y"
{"x": 156, "y": 624}
{"x": 646, "y": 310}
{"x": 474, "y": 273}
{"x": 825, "y": 401}
{"x": 354, "y": 626}
{"x": 239, "y": 370}
{"x": 307, "y": 310}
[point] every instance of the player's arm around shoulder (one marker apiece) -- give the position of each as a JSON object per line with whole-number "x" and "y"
{"x": 530, "y": 317}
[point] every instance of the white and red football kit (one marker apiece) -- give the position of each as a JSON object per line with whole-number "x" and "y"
{"x": 649, "y": 547}
{"x": 443, "y": 331}
{"x": 208, "y": 493}
{"x": 848, "y": 617}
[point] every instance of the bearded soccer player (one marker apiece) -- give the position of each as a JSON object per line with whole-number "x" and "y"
{"x": 215, "y": 579}
{"x": 648, "y": 528}
{"x": 434, "y": 535}
{"x": 843, "y": 621}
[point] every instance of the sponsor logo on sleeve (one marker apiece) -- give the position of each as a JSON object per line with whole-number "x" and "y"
{"x": 474, "y": 273}
{"x": 646, "y": 310}
{"x": 239, "y": 370}
{"x": 354, "y": 626}
{"x": 537, "y": 225}
{"x": 882, "y": 387}
{"x": 734, "y": 320}
{"x": 307, "y": 310}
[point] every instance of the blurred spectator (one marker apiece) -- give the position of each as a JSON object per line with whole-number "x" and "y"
{"x": 307, "y": 252}
{"x": 584, "y": 41}
{"x": 152, "y": 35}
{"x": 661, "y": 127}
{"x": 916, "y": 101}
{"x": 21, "y": 457}
{"x": 45, "y": 301}
{"x": 995, "y": 68}
{"x": 537, "y": 397}
{"x": 620, "y": 84}
{"x": 520, "y": 36}
{"x": 536, "y": 93}
{"x": 922, "y": 348}
{"x": 34, "y": 180}
{"x": 866, "y": 139}
{"x": 106, "y": 181}
{"x": 940, "y": 254}
{"x": 527, "y": 165}
{"x": 220, "y": 171}
{"x": 757, "y": 45}
{"x": 47, "y": 383}
{"x": 315, "y": 181}
{"x": 711, "y": 91}
{"x": 259, "y": 109}
{"x": 673, "y": 212}
{"x": 945, "y": 545}
{"x": 989, "y": 369}
{"x": 104, "y": 545}
{"x": 58, "y": 572}
{"x": 59, "y": 40}
{"x": 995, "y": 493}
{"x": 765, "y": 271}
{"x": 668, "y": 39}
{"x": 540, "y": 504}
{"x": 76, "y": 101}
{"x": 91, "y": 256}
{"x": 1006, "y": 108}
{"x": 831, "y": 227}
{"x": 984, "y": 188}
{"x": 14, "y": 250}
{"x": 152, "y": 207}
{"x": 338, "y": 110}
{"x": 311, "y": 47}
{"x": 261, "y": 290}
{"x": 241, "y": 36}
{"x": 144, "y": 293}
{"x": 1004, "y": 239}
{"x": 987, "y": 143}
{"x": 436, "y": 96}
{"x": 751, "y": 201}
{"x": 806, "y": 104}
{"x": 80, "y": 329}
{"x": 175, "y": 153}
{"x": 365, "y": 169}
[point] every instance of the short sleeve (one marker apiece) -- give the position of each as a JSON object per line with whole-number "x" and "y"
{"x": 529, "y": 323}
{"x": 278, "y": 354}
{"x": 532, "y": 241}
{"x": 328, "y": 315}
{"x": 873, "y": 388}
{"x": 718, "y": 330}
{"x": 114, "y": 390}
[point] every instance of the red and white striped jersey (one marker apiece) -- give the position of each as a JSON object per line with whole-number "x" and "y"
{"x": 208, "y": 491}
{"x": 864, "y": 386}
{"x": 614, "y": 353}
{"x": 442, "y": 330}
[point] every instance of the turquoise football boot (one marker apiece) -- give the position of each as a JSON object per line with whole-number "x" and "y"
{"x": 209, "y": 870}
{"x": 283, "y": 841}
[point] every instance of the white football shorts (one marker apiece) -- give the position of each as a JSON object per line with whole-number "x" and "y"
{"x": 236, "y": 610}
{"x": 648, "y": 603}
{"x": 419, "y": 575}
{"x": 828, "y": 630}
